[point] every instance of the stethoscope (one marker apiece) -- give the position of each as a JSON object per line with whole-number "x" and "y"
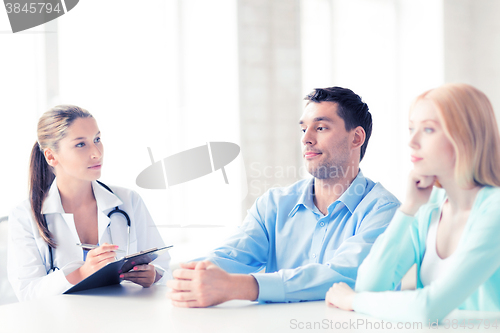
{"x": 116, "y": 210}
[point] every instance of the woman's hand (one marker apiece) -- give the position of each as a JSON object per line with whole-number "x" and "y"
{"x": 96, "y": 259}
{"x": 341, "y": 296}
{"x": 143, "y": 275}
{"x": 418, "y": 191}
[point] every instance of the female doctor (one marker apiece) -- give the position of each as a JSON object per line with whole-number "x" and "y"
{"x": 67, "y": 206}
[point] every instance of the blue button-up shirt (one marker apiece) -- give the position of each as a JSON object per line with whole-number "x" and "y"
{"x": 303, "y": 251}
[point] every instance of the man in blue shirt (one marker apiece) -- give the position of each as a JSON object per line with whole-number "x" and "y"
{"x": 309, "y": 235}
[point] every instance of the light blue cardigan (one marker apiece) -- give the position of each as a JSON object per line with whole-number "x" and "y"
{"x": 473, "y": 279}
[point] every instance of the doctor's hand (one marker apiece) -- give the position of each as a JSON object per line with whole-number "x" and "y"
{"x": 202, "y": 284}
{"x": 341, "y": 296}
{"x": 96, "y": 259}
{"x": 143, "y": 275}
{"x": 418, "y": 191}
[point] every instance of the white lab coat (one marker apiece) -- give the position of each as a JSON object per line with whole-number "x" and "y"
{"x": 28, "y": 261}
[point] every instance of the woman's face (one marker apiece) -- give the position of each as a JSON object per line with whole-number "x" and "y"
{"x": 432, "y": 152}
{"x": 80, "y": 153}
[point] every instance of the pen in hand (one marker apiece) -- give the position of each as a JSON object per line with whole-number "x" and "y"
{"x": 93, "y": 246}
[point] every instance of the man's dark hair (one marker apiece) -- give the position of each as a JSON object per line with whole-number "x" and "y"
{"x": 351, "y": 109}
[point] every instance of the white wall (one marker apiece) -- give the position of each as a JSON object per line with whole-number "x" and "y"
{"x": 386, "y": 51}
{"x": 178, "y": 76}
{"x": 472, "y": 45}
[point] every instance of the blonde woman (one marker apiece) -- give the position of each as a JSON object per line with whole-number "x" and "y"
{"x": 452, "y": 234}
{"x": 67, "y": 206}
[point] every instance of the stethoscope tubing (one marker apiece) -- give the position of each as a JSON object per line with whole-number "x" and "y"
{"x": 119, "y": 211}
{"x": 116, "y": 210}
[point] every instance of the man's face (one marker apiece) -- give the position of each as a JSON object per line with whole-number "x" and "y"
{"x": 326, "y": 143}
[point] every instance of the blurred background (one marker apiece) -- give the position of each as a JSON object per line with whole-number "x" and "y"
{"x": 175, "y": 74}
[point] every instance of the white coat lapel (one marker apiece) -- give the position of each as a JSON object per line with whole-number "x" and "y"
{"x": 62, "y": 226}
{"x": 106, "y": 201}
{"x": 102, "y": 225}
{"x": 53, "y": 205}
{"x": 66, "y": 250}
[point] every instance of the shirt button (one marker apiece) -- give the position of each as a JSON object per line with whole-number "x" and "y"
{"x": 322, "y": 224}
{"x": 314, "y": 255}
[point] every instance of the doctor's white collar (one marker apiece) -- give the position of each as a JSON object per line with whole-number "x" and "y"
{"x": 105, "y": 199}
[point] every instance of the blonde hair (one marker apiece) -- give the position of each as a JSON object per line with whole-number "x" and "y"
{"x": 52, "y": 128}
{"x": 470, "y": 124}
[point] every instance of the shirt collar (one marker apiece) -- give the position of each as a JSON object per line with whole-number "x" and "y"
{"x": 350, "y": 198}
{"x": 306, "y": 197}
{"x": 105, "y": 199}
{"x": 354, "y": 193}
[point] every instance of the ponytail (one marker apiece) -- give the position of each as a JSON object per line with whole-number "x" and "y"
{"x": 40, "y": 178}
{"x": 52, "y": 127}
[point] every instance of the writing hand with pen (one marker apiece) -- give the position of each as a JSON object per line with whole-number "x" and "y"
{"x": 96, "y": 259}
{"x": 100, "y": 256}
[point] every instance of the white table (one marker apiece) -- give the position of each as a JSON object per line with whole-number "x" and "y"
{"x": 129, "y": 308}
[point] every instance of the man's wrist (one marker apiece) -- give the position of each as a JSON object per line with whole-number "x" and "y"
{"x": 244, "y": 287}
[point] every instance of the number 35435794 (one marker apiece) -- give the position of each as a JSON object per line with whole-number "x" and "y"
{"x": 32, "y": 8}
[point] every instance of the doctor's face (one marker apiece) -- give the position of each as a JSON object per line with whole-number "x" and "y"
{"x": 80, "y": 153}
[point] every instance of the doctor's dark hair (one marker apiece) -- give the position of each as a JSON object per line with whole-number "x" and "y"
{"x": 52, "y": 127}
{"x": 351, "y": 109}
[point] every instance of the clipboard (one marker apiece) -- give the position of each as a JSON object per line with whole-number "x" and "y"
{"x": 110, "y": 274}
